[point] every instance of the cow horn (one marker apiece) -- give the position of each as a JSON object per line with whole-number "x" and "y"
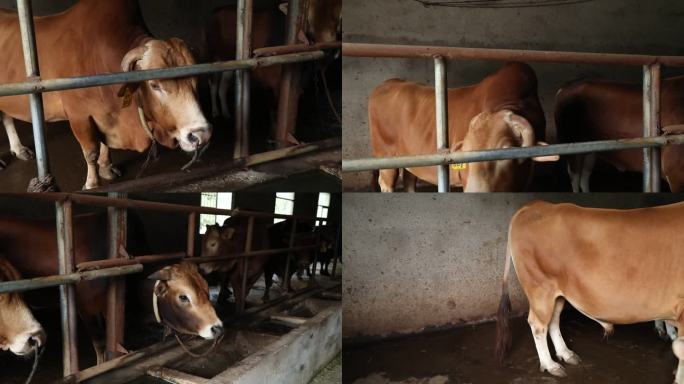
{"x": 132, "y": 57}
{"x": 521, "y": 126}
{"x": 163, "y": 274}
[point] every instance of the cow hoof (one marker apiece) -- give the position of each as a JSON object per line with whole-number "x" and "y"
{"x": 571, "y": 358}
{"x": 90, "y": 185}
{"x": 556, "y": 370}
{"x": 24, "y": 153}
{"x": 109, "y": 172}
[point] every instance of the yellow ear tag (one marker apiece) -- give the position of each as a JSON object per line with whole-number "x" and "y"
{"x": 459, "y": 166}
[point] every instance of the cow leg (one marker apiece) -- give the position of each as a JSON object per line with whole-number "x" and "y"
{"x": 672, "y": 331}
{"x": 562, "y": 351}
{"x": 574, "y": 164}
{"x": 541, "y": 312}
{"x": 268, "y": 279}
{"x": 409, "y": 181}
{"x": 86, "y": 134}
{"x": 587, "y": 168}
{"x": 17, "y": 149}
{"x": 387, "y": 179}
{"x": 105, "y": 168}
{"x": 660, "y": 329}
{"x": 224, "y": 86}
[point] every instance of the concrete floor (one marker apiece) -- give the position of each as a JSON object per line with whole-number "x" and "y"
{"x": 331, "y": 374}
{"x": 634, "y": 354}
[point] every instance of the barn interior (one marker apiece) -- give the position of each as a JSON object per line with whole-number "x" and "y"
{"x": 611, "y": 26}
{"x": 294, "y": 337}
{"x": 317, "y": 128}
{"x": 422, "y": 286}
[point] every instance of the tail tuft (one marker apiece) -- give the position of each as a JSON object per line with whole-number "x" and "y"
{"x": 503, "y": 331}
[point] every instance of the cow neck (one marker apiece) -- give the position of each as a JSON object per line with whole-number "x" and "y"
{"x": 155, "y": 303}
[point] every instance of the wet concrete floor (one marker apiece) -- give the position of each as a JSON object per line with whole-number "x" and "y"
{"x": 634, "y": 354}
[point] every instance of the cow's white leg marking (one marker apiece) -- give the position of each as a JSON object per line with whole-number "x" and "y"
{"x": 105, "y": 168}
{"x": 562, "y": 351}
{"x": 678, "y": 349}
{"x": 224, "y": 86}
{"x": 92, "y": 179}
{"x": 17, "y": 149}
{"x": 387, "y": 179}
{"x": 539, "y": 332}
{"x": 587, "y": 167}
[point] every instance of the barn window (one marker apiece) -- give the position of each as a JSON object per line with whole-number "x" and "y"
{"x": 323, "y": 206}
{"x": 214, "y": 200}
{"x": 284, "y": 204}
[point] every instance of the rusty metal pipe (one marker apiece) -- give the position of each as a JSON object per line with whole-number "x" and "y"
{"x": 245, "y": 261}
{"x": 67, "y": 300}
{"x": 295, "y": 48}
{"x": 651, "y": 115}
{"x": 69, "y": 278}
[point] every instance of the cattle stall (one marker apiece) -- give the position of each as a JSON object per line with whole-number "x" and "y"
{"x": 475, "y": 36}
{"x": 422, "y": 286}
{"x": 285, "y": 339}
{"x": 304, "y": 149}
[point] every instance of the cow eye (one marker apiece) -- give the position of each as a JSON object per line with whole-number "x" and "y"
{"x": 155, "y": 86}
{"x": 183, "y": 299}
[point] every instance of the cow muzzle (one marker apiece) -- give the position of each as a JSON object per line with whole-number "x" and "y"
{"x": 26, "y": 344}
{"x": 194, "y": 138}
{"x": 213, "y": 331}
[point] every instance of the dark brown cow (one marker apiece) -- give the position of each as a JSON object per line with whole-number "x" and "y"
{"x": 230, "y": 239}
{"x": 562, "y": 252}
{"x": 268, "y": 29}
{"x": 20, "y": 333}
{"x": 501, "y": 111}
{"x": 589, "y": 110}
{"x": 31, "y": 246}
{"x": 99, "y": 36}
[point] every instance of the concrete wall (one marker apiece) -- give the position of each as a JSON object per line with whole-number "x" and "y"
{"x": 621, "y": 26}
{"x": 426, "y": 260}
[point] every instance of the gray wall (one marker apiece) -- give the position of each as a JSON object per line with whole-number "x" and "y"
{"x": 426, "y": 260}
{"x": 621, "y": 26}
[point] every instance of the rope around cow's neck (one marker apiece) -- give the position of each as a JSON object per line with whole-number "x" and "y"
{"x": 36, "y": 356}
{"x": 195, "y": 157}
{"x": 152, "y": 152}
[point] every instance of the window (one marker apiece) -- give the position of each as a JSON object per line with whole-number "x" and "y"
{"x": 323, "y": 205}
{"x": 284, "y": 204}
{"x": 214, "y": 200}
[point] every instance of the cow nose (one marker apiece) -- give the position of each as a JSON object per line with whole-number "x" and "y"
{"x": 37, "y": 340}
{"x": 217, "y": 330}
{"x": 192, "y": 138}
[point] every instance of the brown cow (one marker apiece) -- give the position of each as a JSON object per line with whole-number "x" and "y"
{"x": 31, "y": 246}
{"x": 230, "y": 239}
{"x": 99, "y": 36}
{"x": 19, "y": 331}
{"x": 564, "y": 252}
{"x": 269, "y": 28}
{"x": 501, "y": 111}
{"x": 589, "y": 110}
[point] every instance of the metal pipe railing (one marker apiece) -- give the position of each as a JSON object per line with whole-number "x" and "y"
{"x": 28, "y": 43}
{"x": 69, "y": 278}
{"x": 51, "y": 85}
{"x": 65, "y": 246}
{"x": 243, "y": 48}
{"x": 461, "y": 53}
{"x": 116, "y": 290}
{"x": 651, "y": 116}
{"x": 441, "y": 121}
{"x": 370, "y": 164}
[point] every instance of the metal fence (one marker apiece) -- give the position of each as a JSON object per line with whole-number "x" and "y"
{"x": 120, "y": 264}
{"x": 651, "y": 142}
{"x": 287, "y": 55}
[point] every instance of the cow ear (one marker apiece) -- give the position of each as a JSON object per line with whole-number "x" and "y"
{"x": 542, "y": 159}
{"x": 161, "y": 289}
{"x": 227, "y": 233}
{"x": 163, "y": 274}
{"x": 458, "y": 146}
{"x": 673, "y": 129}
{"x": 283, "y": 7}
{"x": 126, "y": 91}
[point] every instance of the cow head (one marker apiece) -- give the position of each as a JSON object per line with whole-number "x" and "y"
{"x": 217, "y": 241}
{"x": 496, "y": 130}
{"x": 171, "y": 106}
{"x": 324, "y": 20}
{"x": 183, "y": 304}
{"x": 20, "y": 333}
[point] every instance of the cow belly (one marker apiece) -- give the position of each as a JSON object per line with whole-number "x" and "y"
{"x": 429, "y": 174}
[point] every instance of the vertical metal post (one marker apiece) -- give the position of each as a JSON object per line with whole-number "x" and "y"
{"x": 312, "y": 278}
{"x": 338, "y": 244}
{"x": 245, "y": 263}
{"x": 65, "y": 246}
{"x": 290, "y": 255}
{"x": 242, "y": 78}
{"x": 441, "y": 122}
{"x": 192, "y": 230}
{"x": 288, "y": 102}
{"x": 651, "y": 126}
{"x": 28, "y": 43}
{"x": 116, "y": 291}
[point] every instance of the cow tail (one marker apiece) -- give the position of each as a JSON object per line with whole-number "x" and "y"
{"x": 503, "y": 331}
